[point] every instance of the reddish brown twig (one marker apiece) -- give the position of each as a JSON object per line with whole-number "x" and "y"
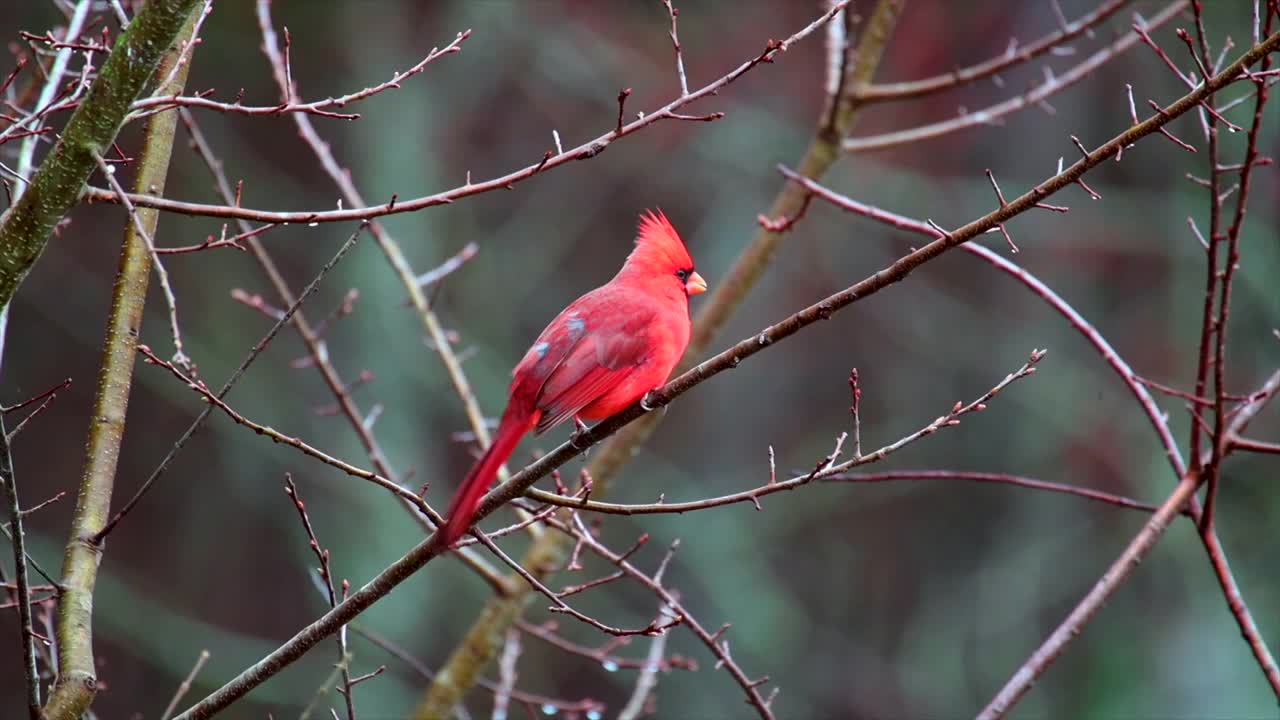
{"x": 1038, "y": 94}
{"x": 1013, "y": 56}
{"x": 42, "y": 397}
{"x": 326, "y": 576}
{"x": 316, "y": 107}
{"x": 623, "y": 94}
{"x": 1136, "y": 387}
{"x": 210, "y": 243}
{"x": 583, "y": 151}
{"x": 784, "y": 224}
{"x": 673, "y": 13}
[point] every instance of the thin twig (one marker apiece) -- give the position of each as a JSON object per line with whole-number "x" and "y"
{"x": 1038, "y": 94}
{"x": 673, "y": 13}
{"x": 415, "y": 286}
{"x": 843, "y": 477}
{"x": 326, "y": 575}
{"x": 584, "y": 151}
{"x": 1010, "y": 58}
{"x": 31, "y": 672}
{"x": 184, "y": 686}
{"x": 317, "y": 107}
{"x": 179, "y": 356}
{"x": 231, "y": 381}
{"x": 279, "y": 437}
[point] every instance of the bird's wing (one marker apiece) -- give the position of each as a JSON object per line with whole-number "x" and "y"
{"x": 587, "y": 350}
{"x": 596, "y": 365}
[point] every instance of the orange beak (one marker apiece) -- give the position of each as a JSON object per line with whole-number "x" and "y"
{"x": 695, "y": 284}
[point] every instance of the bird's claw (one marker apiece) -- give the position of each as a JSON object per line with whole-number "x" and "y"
{"x": 579, "y": 430}
{"x": 647, "y": 403}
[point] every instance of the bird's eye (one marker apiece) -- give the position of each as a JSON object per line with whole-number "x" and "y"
{"x": 683, "y": 275}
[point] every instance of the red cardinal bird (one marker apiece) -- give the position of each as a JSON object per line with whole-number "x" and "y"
{"x": 600, "y": 354}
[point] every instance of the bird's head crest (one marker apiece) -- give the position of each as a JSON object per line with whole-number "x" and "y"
{"x": 658, "y": 244}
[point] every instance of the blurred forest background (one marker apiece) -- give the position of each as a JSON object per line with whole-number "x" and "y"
{"x": 868, "y": 600}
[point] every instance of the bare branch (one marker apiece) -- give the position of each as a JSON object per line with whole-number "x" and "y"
{"x": 584, "y": 151}
{"x": 1012, "y": 57}
{"x": 1050, "y": 87}
{"x": 160, "y": 103}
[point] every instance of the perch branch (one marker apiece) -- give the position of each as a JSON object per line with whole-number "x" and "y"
{"x": 857, "y": 66}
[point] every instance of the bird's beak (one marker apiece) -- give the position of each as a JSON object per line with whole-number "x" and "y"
{"x": 695, "y": 284}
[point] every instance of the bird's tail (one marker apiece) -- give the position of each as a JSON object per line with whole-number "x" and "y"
{"x": 515, "y": 423}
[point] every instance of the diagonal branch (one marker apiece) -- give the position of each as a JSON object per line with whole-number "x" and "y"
{"x": 1010, "y": 58}
{"x": 748, "y": 496}
{"x": 1057, "y": 642}
{"x": 1038, "y": 94}
{"x": 894, "y": 273}
{"x": 1136, "y": 386}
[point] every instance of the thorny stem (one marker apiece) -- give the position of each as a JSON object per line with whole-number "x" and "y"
{"x": 1212, "y": 277}
{"x": 1231, "y": 263}
{"x": 77, "y": 679}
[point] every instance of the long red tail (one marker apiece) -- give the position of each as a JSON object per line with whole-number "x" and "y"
{"x": 515, "y": 423}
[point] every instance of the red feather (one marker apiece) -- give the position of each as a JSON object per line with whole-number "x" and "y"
{"x": 598, "y": 356}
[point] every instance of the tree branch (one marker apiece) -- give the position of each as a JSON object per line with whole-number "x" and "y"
{"x": 1070, "y": 628}
{"x": 25, "y": 227}
{"x": 30, "y": 670}
{"x": 1010, "y": 58}
{"x": 1136, "y": 386}
{"x": 77, "y": 678}
{"x": 430, "y": 548}
{"x": 481, "y": 642}
{"x": 748, "y": 496}
{"x": 1051, "y": 86}
{"x": 584, "y": 151}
